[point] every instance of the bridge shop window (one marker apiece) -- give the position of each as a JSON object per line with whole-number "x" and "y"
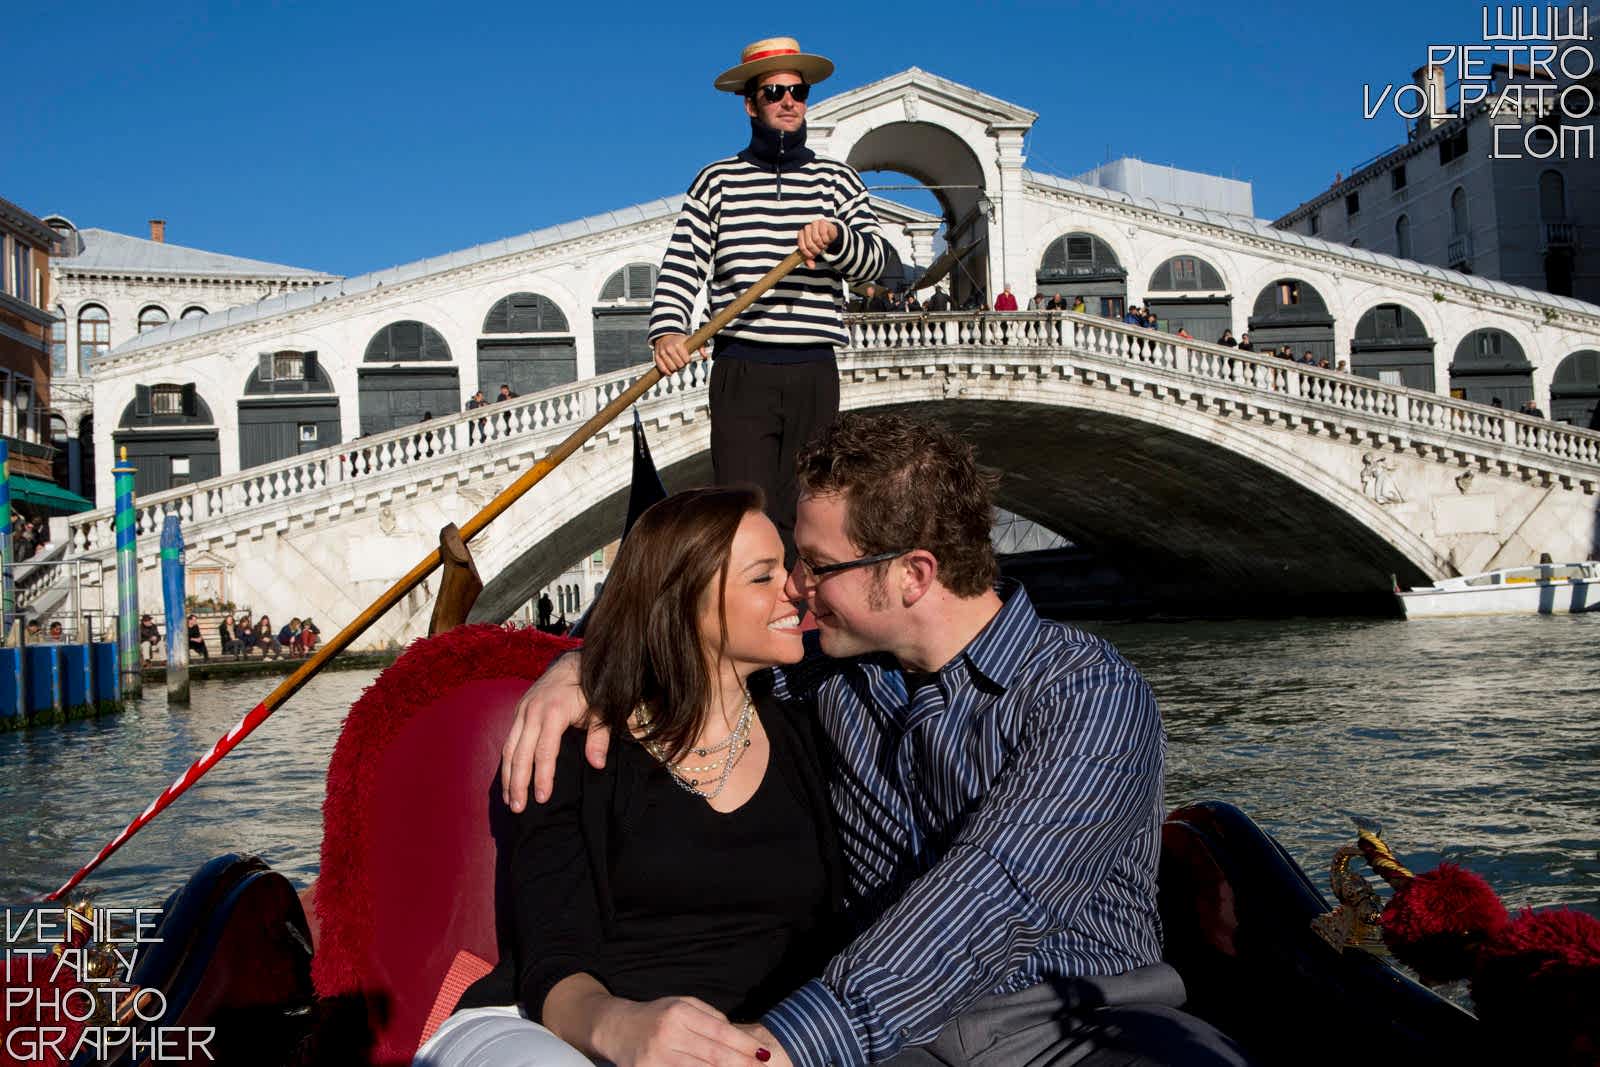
{"x": 408, "y": 341}
{"x": 531, "y": 347}
{"x": 1189, "y": 293}
{"x": 622, "y": 318}
{"x": 170, "y": 435}
{"x": 1291, "y": 312}
{"x": 1575, "y": 390}
{"x": 1490, "y": 366}
{"x": 289, "y": 408}
{"x": 398, "y": 395}
{"x": 1392, "y": 345}
{"x": 1081, "y": 264}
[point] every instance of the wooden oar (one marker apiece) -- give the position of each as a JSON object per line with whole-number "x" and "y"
{"x": 491, "y": 511}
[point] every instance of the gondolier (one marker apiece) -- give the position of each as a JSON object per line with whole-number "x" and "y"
{"x": 775, "y": 382}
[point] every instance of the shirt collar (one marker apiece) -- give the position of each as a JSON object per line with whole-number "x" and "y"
{"x": 997, "y": 651}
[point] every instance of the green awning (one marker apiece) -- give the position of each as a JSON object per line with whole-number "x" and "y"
{"x": 47, "y": 495}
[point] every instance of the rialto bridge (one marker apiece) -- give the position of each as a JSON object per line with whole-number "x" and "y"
{"x": 1203, "y": 466}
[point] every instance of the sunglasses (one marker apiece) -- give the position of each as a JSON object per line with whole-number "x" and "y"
{"x": 773, "y": 93}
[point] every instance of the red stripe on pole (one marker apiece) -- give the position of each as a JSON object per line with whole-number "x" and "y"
{"x": 241, "y": 730}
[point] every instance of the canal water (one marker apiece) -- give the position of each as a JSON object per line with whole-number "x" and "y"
{"x": 1472, "y": 740}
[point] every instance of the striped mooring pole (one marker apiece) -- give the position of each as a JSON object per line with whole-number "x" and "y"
{"x": 8, "y": 589}
{"x": 127, "y": 582}
{"x": 172, "y": 602}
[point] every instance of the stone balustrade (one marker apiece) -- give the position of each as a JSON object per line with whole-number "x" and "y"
{"x": 517, "y": 430}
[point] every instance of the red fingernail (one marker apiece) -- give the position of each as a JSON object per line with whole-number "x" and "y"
{"x": 763, "y": 1055}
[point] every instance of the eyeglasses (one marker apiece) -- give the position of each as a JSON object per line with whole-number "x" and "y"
{"x": 813, "y": 572}
{"x": 773, "y": 93}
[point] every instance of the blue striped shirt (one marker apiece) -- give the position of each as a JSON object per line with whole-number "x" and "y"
{"x": 1001, "y": 823}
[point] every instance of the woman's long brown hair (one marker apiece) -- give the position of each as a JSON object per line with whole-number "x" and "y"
{"x": 642, "y": 641}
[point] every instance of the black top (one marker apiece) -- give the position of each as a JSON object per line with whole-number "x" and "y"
{"x": 627, "y": 877}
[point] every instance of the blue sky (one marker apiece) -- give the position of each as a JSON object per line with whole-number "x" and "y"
{"x": 353, "y": 136}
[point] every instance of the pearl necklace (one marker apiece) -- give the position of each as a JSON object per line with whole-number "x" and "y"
{"x": 737, "y": 741}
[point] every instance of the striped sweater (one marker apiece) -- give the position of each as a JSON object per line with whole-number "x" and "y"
{"x": 740, "y": 217}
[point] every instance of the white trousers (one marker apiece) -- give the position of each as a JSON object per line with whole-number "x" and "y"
{"x": 496, "y": 1037}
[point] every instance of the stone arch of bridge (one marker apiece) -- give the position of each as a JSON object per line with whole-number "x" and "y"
{"x": 1158, "y": 490}
{"x": 943, "y": 160}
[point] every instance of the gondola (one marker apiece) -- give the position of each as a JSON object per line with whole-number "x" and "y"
{"x": 360, "y": 967}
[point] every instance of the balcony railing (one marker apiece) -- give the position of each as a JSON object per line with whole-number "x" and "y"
{"x": 1460, "y": 251}
{"x": 1560, "y": 235}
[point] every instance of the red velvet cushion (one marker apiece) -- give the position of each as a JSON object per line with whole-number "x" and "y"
{"x": 407, "y": 875}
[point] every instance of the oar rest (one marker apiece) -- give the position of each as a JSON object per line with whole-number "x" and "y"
{"x": 408, "y": 857}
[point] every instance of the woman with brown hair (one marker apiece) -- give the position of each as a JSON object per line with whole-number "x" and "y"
{"x": 694, "y": 879}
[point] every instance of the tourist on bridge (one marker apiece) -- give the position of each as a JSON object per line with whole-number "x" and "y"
{"x": 995, "y": 780}
{"x": 1244, "y": 343}
{"x": 940, "y": 300}
{"x": 1006, "y": 301}
{"x": 775, "y": 381}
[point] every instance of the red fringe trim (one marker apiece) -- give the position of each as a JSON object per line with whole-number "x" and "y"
{"x": 428, "y": 670}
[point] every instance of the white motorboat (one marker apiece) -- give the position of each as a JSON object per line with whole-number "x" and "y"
{"x": 1544, "y": 589}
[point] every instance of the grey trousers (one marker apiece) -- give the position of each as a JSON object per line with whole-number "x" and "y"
{"x": 1129, "y": 1020}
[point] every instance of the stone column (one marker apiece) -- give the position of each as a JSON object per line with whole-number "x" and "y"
{"x": 921, "y": 234}
{"x": 1009, "y": 259}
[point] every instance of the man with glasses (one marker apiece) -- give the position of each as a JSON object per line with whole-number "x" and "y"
{"x": 996, "y": 781}
{"x": 775, "y": 382}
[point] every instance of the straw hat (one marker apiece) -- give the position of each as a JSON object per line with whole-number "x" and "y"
{"x": 774, "y": 53}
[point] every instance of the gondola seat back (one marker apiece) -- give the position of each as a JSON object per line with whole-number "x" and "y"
{"x": 408, "y": 856}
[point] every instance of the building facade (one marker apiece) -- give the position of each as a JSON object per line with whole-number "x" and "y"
{"x": 109, "y": 287}
{"x": 1506, "y": 203}
{"x": 26, "y": 325}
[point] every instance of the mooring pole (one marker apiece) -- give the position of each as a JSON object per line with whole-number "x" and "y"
{"x": 172, "y": 601}
{"x": 127, "y": 527}
{"x": 8, "y": 589}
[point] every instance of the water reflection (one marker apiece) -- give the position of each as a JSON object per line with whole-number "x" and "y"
{"x": 1473, "y": 740}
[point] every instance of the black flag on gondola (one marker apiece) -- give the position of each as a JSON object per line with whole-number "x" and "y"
{"x": 647, "y": 487}
{"x": 646, "y": 490}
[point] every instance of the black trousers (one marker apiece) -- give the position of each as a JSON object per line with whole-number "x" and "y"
{"x": 761, "y": 415}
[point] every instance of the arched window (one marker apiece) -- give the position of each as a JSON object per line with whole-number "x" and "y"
{"x": 409, "y": 341}
{"x": 1078, "y": 255}
{"x": 633, "y": 284}
{"x": 151, "y": 317}
{"x": 58, "y": 343}
{"x": 525, "y": 313}
{"x": 1186, "y": 273}
{"x": 1458, "y": 213}
{"x": 193, "y": 311}
{"x": 94, "y": 334}
{"x": 1402, "y": 237}
{"x": 1575, "y": 390}
{"x": 1490, "y": 368}
{"x": 1552, "y": 196}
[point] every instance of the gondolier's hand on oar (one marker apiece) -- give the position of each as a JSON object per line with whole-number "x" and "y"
{"x": 551, "y": 705}
{"x": 671, "y": 354}
{"x": 814, "y": 239}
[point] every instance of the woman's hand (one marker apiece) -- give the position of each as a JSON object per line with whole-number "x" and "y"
{"x": 670, "y": 1032}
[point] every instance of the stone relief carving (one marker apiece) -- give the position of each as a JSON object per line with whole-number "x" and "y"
{"x": 909, "y": 104}
{"x": 1464, "y": 480}
{"x": 386, "y": 520}
{"x": 1377, "y": 479}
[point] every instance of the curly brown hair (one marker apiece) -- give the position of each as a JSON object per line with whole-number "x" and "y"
{"x": 908, "y": 484}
